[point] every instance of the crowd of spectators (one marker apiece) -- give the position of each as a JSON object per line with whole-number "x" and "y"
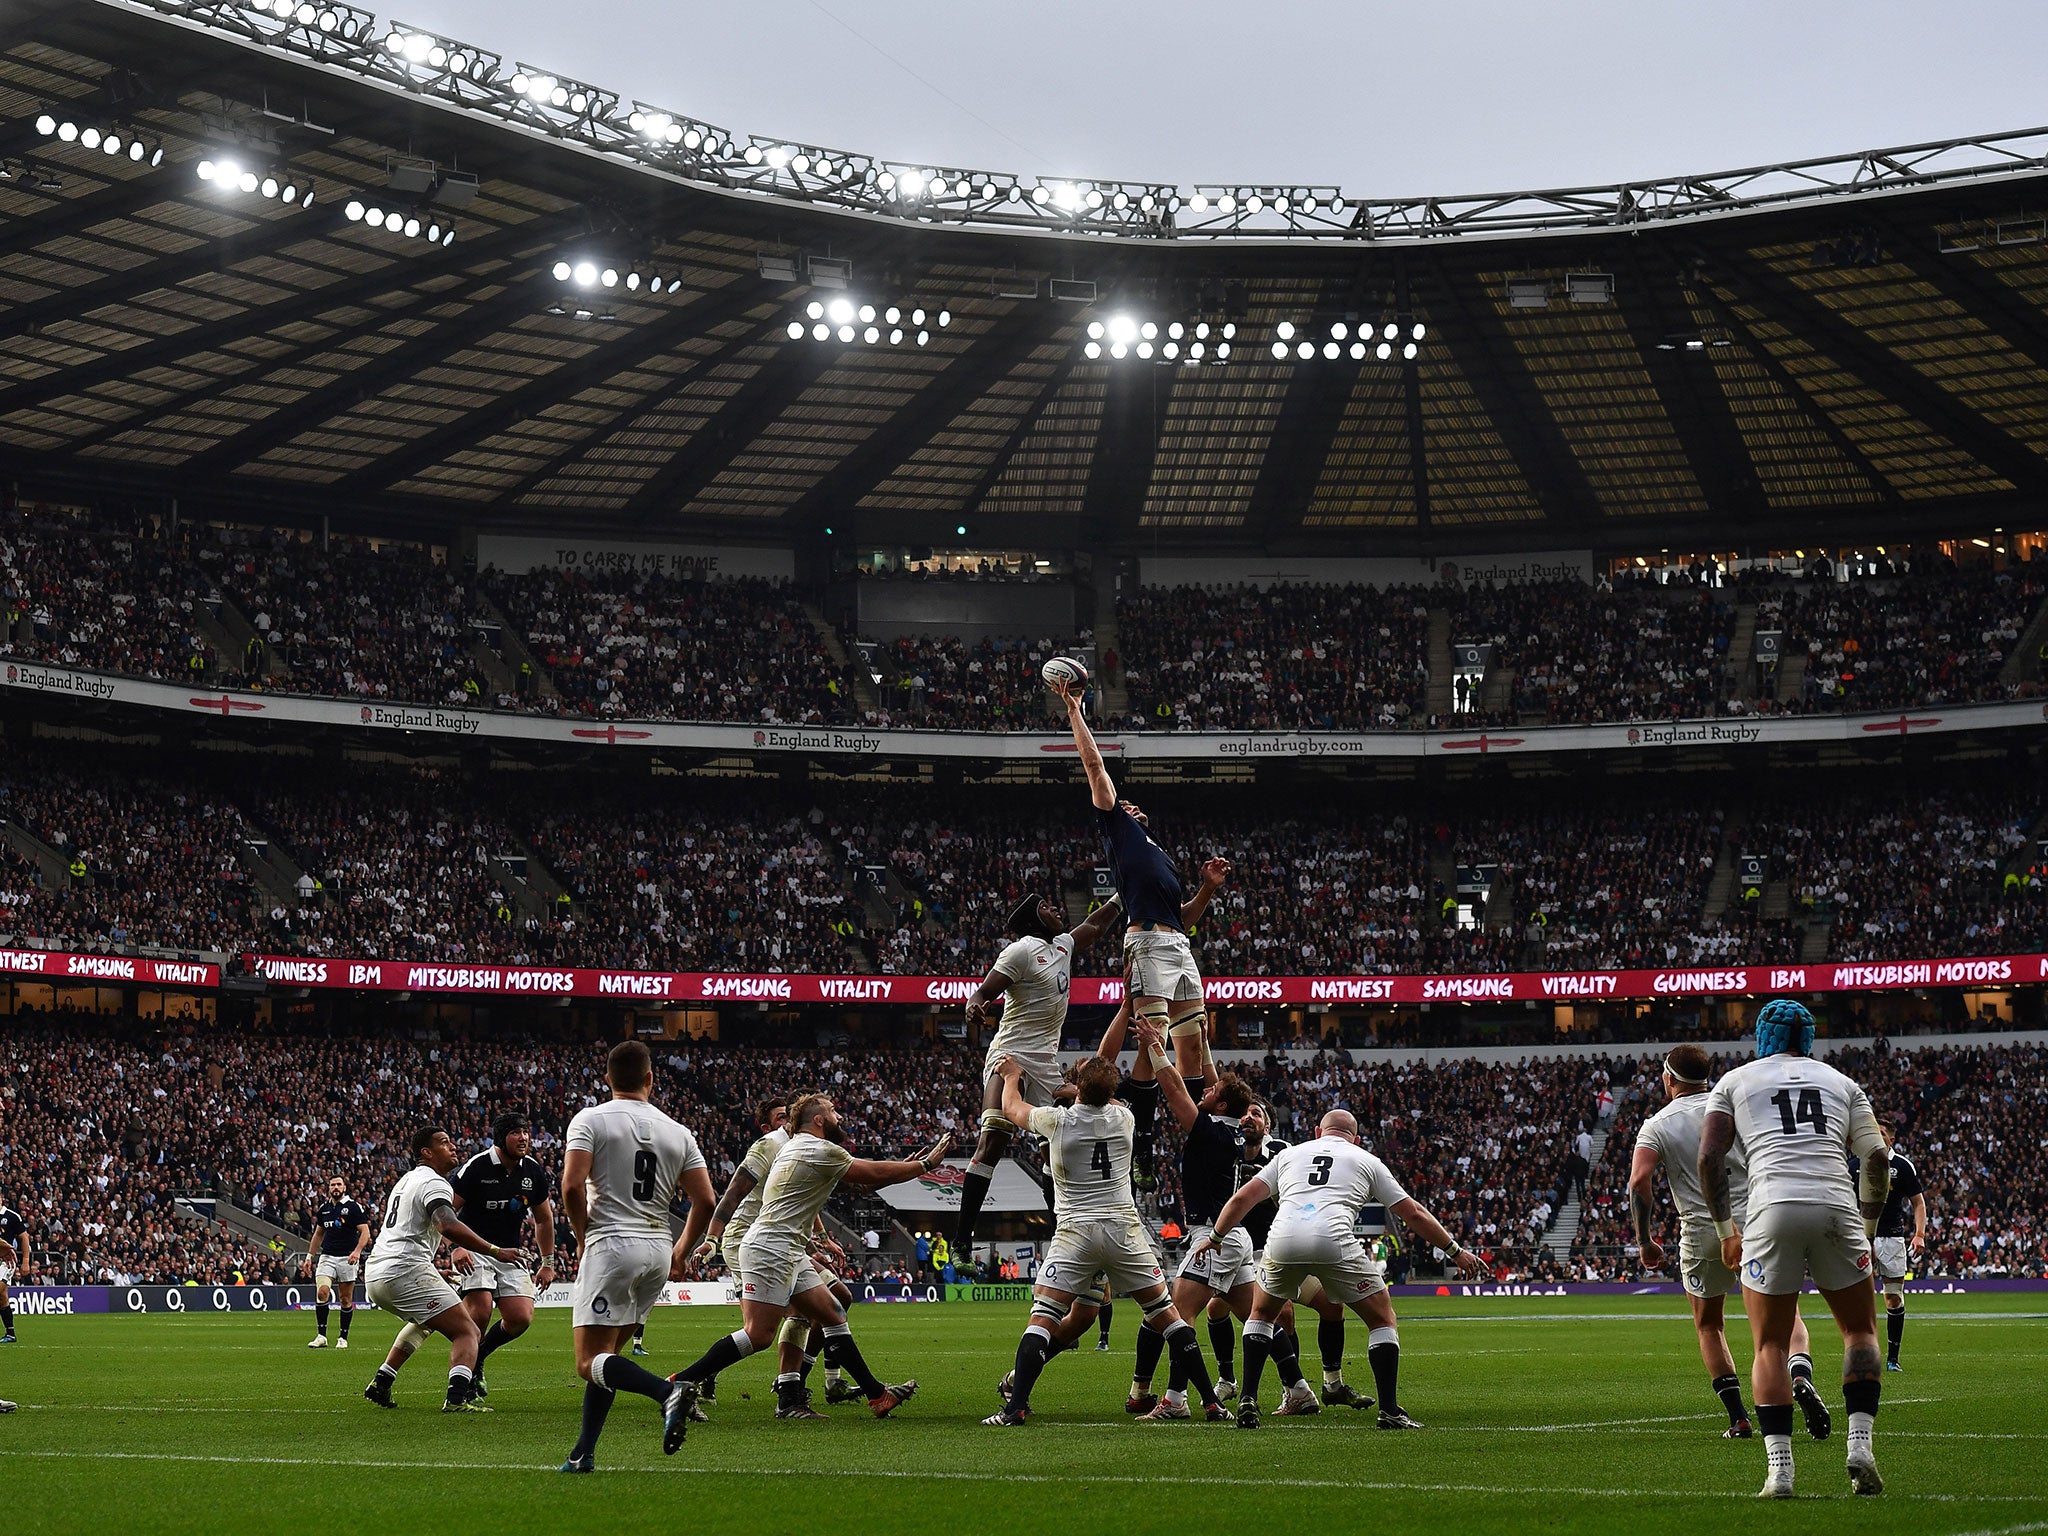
{"x": 396, "y": 621}
{"x": 1325, "y": 658}
{"x": 1581, "y": 654}
{"x": 383, "y": 861}
{"x": 652, "y": 645}
{"x": 943, "y": 683}
{"x": 1941, "y": 635}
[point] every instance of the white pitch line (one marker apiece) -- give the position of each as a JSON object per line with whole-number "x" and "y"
{"x": 2011, "y": 1530}
{"x": 1344, "y": 1484}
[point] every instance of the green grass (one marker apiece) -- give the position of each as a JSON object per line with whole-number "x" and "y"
{"x": 1543, "y": 1414}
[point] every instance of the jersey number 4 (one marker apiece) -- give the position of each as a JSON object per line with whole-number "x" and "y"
{"x": 1099, "y": 1161}
{"x": 1807, "y": 1108}
{"x": 645, "y": 1170}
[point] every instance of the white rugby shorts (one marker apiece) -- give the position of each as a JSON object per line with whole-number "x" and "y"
{"x": 416, "y": 1292}
{"x": 1786, "y": 1241}
{"x": 1225, "y": 1267}
{"x": 774, "y": 1271}
{"x": 1083, "y": 1251}
{"x": 335, "y": 1266}
{"x": 1347, "y": 1272}
{"x": 1160, "y": 964}
{"x": 6, "y": 1274}
{"x": 1042, "y": 1076}
{"x": 1700, "y": 1266}
{"x": 1890, "y": 1256}
{"x": 619, "y": 1281}
{"x": 499, "y": 1279}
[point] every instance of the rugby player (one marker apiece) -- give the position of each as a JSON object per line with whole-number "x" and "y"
{"x": 1032, "y": 976}
{"x": 625, "y": 1164}
{"x": 775, "y": 1269}
{"x": 341, "y": 1231}
{"x": 1795, "y": 1119}
{"x": 496, "y": 1191}
{"x": 1098, "y": 1231}
{"x": 401, "y": 1278}
{"x": 1161, "y": 981}
{"x": 1888, "y": 1249}
{"x": 13, "y": 1238}
{"x": 1671, "y": 1139}
{"x": 800, "y": 1338}
{"x": 1320, "y": 1187}
{"x": 1212, "y": 1143}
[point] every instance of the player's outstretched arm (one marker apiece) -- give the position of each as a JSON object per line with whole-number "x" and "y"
{"x": 544, "y": 1240}
{"x": 866, "y": 1173}
{"x": 1416, "y": 1217}
{"x": 1214, "y": 873}
{"x": 695, "y": 1187}
{"x": 1642, "y": 1205}
{"x": 450, "y": 1226}
{"x": 1112, "y": 1045}
{"x": 1100, "y": 788}
{"x": 1172, "y": 1088}
{"x": 1098, "y": 922}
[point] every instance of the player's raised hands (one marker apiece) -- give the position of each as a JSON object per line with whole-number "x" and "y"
{"x": 1009, "y": 1068}
{"x": 1214, "y": 872}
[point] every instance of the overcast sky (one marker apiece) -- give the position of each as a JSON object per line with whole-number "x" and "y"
{"x": 1432, "y": 96}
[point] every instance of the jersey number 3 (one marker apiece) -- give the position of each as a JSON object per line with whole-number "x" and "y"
{"x": 645, "y": 1168}
{"x": 1319, "y": 1169}
{"x": 1807, "y": 1108}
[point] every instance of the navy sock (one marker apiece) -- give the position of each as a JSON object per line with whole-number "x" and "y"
{"x": 1033, "y": 1350}
{"x": 623, "y": 1375}
{"x": 320, "y": 1317}
{"x": 1223, "y": 1345}
{"x": 348, "y": 1315}
{"x": 1330, "y": 1342}
{"x": 1150, "y": 1347}
{"x": 494, "y": 1337}
{"x": 597, "y": 1404}
{"x": 1287, "y": 1356}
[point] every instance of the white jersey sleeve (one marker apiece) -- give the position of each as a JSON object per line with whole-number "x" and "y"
{"x": 1794, "y": 1117}
{"x": 408, "y": 1235}
{"x": 758, "y": 1163}
{"x": 638, "y": 1155}
{"x": 1673, "y": 1133}
{"x": 1089, "y": 1150}
{"x": 1040, "y": 973}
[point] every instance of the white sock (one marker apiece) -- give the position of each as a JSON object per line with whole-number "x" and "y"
{"x": 1177, "y": 1397}
{"x": 1861, "y": 1428}
{"x": 834, "y": 1374}
{"x": 1778, "y": 1454}
{"x": 1333, "y": 1378}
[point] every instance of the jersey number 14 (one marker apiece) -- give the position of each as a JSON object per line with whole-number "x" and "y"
{"x": 1807, "y": 1109}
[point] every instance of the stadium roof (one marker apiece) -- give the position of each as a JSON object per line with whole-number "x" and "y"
{"x": 1829, "y": 350}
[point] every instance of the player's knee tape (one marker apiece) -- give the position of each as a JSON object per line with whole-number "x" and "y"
{"x": 836, "y": 1331}
{"x": 1895, "y": 1288}
{"x": 410, "y": 1338}
{"x": 1257, "y": 1328}
{"x": 1047, "y": 1312}
{"x": 794, "y": 1330}
{"x": 1158, "y": 1304}
{"x": 995, "y": 1120}
{"x": 1186, "y": 1020}
{"x": 1380, "y": 1336}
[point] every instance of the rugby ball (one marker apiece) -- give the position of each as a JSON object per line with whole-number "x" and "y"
{"x": 1064, "y": 669}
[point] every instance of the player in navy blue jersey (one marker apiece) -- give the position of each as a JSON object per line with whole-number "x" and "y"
{"x": 496, "y": 1191}
{"x": 1161, "y": 981}
{"x": 341, "y": 1231}
{"x": 13, "y": 1257}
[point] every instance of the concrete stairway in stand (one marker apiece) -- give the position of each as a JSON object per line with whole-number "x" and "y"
{"x": 1565, "y": 1232}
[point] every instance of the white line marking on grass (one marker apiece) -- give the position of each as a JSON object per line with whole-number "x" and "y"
{"x": 2011, "y": 1530}
{"x": 1347, "y": 1484}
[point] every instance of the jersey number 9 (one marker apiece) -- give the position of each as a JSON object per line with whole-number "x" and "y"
{"x": 645, "y": 1168}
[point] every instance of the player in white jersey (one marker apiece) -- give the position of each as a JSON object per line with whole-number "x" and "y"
{"x": 775, "y": 1270}
{"x": 1089, "y": 1147}
{"x": 400, "y": 1276}
{"x": 1031, "y": 978}
{"x": 625, "y": 1165}
{"x": 1319, "y": 1188}
{"x": 802, "y": 1335}
{"x": 1671, "y": 1139}
{"x": 1795, "y": 1121}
